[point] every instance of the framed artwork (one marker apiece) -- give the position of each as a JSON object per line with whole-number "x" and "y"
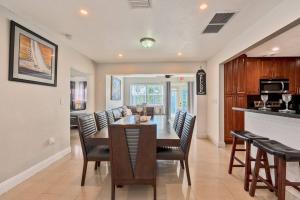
{"x": 115, "y": 88}
{"x": 32, "y": 58}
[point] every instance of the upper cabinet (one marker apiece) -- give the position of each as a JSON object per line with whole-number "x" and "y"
{"x": 229, "y": 78}
{"x": 253, "y": 68}
{"x": 297, "y": 76}
{"x": 235, "y": 73}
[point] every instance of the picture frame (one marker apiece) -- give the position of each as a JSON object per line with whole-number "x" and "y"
{"x": 115, "y": 88}
{"x": 32, "y": 58}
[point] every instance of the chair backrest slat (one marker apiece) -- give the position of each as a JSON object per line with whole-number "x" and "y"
{"x": 110, "y": 117}
{"x": 180, "y": 123}
{"x": 176, "y": 120}
{"x": 116, "y": 113}
{"x": 87, "y": 126}
{"x": 133, "y": 153}
{"x": 187, "y": 132}
{"x": 101, "y": 120}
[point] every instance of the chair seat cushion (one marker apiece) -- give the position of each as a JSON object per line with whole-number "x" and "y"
{"x": 278, "y": 149}
{"x": 100, "y": 152}
{"x": 247, "y": 136}
{"x": 169, "y": 153}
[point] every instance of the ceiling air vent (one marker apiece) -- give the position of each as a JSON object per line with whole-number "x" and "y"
{"x": 139, "y": 3}
{"x": 217, "y": 22}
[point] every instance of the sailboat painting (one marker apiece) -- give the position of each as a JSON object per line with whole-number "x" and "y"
{"x": 33, "y": 59}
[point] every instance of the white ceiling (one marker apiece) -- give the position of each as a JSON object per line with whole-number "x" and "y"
{"x": 288, "y": 43}
{"x": 112, "y": 27}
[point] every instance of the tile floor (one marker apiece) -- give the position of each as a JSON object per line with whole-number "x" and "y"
{"x": 208, "y": 167}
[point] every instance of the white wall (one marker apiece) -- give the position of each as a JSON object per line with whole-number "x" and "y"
{"x": 30, "y": 114}
{"x": 283, "y": 14}
{"x": 110, "y": 104}
{"x": 151, "y": 68}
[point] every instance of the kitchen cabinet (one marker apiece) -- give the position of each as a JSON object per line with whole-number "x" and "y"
{"x": 229, "y": 78}
{"x": 253, "y": 67}
{"x": 297, "y": 76}
{"x": 242, "y": 78}
{"x": 233, "y": 120}
{"x": 235, "y": 73}
{"x": 240, "y": 75}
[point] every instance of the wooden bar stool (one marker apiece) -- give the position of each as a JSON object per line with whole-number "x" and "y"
{"x": 247, "y": 139}
{"x": 282, "y": 154}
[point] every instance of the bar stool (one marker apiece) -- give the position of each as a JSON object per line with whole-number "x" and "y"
{"x": 247, "y": 138}
{"x": 282, "y": 154}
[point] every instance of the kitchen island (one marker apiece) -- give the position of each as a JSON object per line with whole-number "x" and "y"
{"x": 282, "y": 127}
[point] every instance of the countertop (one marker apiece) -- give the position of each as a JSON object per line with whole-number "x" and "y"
{"x": 271, "y": 112}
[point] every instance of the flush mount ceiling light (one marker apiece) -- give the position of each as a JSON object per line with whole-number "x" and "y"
{"x": 84, "y": 12}
{"x": 179, "y": 54}
{"x": 203, "y": 6}
{"x": 147, "y": 42}
{"x": 274, "y": 49}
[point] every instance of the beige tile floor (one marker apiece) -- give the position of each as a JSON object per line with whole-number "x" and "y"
{"x": 208, "y": 167}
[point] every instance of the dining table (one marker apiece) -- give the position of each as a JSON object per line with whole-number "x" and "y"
{"x": 165, "y": 134}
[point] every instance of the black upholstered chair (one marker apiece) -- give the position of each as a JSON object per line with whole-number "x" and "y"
{"x": 110, "y": 117}
{"x": 87, "y": 127}
{"x": 180, "y": 122}
{"x": 180, "y": 153}
{"x": 117, "y": 113}
{"x": 176, "y": 119}
{"x": 101, "y": 120}
{"x": 133, "y": 155}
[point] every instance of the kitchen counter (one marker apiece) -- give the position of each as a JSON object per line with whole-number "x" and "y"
{"x": 270, "y": 112}
{"x": 282, "y": 127}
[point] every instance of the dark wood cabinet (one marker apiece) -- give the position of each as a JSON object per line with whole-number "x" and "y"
{"x": 242, "y": 78}
{"x": 229, "y": 102}
{"x": 229, "y": 78}
{"x": 240, "y": 75}
{"x": 297, "y": 76}
{"x": 253, "y": 67}
{"x": 266, "y": 69}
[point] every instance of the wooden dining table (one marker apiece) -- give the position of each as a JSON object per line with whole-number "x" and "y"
{"x": 166, "y": 136}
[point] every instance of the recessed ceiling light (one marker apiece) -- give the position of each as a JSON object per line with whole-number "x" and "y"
{"x": 275, "y": 49}
{"x": 84, "y": 12}
{"x": 147, "y": 42}
{"x": 179, "y": 54}
{"x": 203, "y": 6}
{"x": 120, "y": 55}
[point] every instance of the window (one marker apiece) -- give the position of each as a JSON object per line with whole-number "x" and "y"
{"x": 151, "y": 94}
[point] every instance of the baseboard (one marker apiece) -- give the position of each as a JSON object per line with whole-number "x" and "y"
{"x": 19, "y": 178}
{"x": 216, "y": 142}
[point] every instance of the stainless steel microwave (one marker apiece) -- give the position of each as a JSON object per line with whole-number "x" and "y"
{"x": 274, "y": 86}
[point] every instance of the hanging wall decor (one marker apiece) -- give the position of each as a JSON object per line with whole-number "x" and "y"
{"x": 32, "y": 58}
{"x": 201, "y": 82}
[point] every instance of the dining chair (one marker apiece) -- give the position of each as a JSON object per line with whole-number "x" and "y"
{"x": 176, "y": 120}
{"x": 87, "y": 127}
{"x": 124, "y": 111}
{"x": 133, "y": 155}
{"x": 101, "y": 120}
{"x": 110, "y": 117}
{"x": 180, "y": 153}
{"x": 117, "y": 114}
{"x": 180, "y": 122}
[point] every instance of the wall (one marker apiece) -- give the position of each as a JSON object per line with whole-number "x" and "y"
{"x": 31, "y": 114}
{"x": 110, "y": 104}
{"x": 282, "y": 15}
{"x": 151, "y": 68}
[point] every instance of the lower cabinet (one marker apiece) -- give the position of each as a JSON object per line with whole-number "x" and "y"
{"x": 233, "y": 120}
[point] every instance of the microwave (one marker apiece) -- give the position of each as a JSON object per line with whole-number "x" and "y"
{"x": 274, "y": 86}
